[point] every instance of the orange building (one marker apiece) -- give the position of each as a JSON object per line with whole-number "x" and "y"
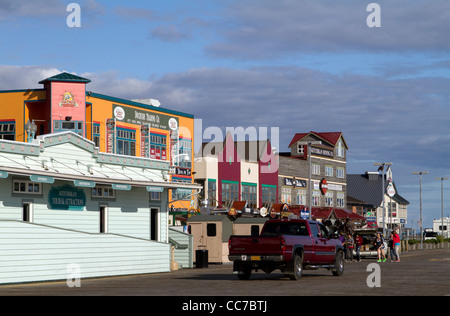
{"x": 117, "y": 126}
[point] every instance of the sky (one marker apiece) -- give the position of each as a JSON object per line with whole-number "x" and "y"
{"x": 295, "y": 65}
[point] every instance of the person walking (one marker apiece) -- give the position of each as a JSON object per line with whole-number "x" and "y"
{"x": 391, "y": 246}
{"x": 379, "y": 245}
{"x": 358, "y": 244}
{"x": 350, "y": 246}
{"x": 396, "y": 242}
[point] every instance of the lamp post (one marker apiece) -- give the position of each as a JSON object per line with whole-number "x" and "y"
{"x": 309, "y": 143}
{"x": 420, "y": 173}
{"x": 442, "y": 203}
{"x": 382, "y": 164}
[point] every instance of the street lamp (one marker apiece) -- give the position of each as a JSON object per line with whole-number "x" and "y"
{"x": 382, "y": 164}
{"x": 31, "y": 129}
{"x": 420, "y": 173}
{"x": 309, "y": 143}
{"x": 442, "y": 202}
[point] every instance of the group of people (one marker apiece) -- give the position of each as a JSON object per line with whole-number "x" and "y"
{"x": 351, "y": 243}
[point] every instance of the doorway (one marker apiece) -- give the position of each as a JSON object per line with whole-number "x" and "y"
{"x": 154, "y": 223}
{"x": 27, "y": 212}
{"x": 103, "y": 219}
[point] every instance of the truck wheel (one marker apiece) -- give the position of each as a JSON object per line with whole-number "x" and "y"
{"x": 297, "y": 268}
{"x": 338, "y": 268}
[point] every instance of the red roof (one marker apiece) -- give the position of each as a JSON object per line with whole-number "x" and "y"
{"x": 331, "y": 138}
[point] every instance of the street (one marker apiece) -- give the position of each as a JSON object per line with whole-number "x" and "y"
{"x": 423, "y": 272}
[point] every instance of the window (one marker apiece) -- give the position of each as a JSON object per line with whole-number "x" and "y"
{"x": 74, "y": 126}
{"x": 230, "y": 191}
{"x": 155, "y": 196}
{"x": 340, "y": 173}
{"x": 211, "y": 230}
{"x": 315, "y": 169}
{"x": 315, "y": 198}
{"x": 249, "y": 194}
{"x": 286, "y": 195}
{"x": 300, "y": 150}
{"x": 340, "y": 149}
{"x": 329, "y": 171}
{"x": 212, "y": 192}
{"x": 329, "y": 199}
{"x": 340, "y": 199}
{"x": 158, "y": 146}
{"x": 103, "y": 191}
{"x": 27, "y": 187}
{"x": 8, "y": 130}
{"x": 301, "y": 197}
{"x": 126, "y": 141}
{"x": 269, "y": 194}
{"x": 96, "y": 134}
{"x": 185, "y": 148}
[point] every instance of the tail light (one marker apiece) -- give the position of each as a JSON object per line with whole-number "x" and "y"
{"x": 229, "y": 244}
{"x": 283, "y": 244}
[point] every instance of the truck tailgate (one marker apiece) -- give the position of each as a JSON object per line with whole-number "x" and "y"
{"x": 247, "y": 245}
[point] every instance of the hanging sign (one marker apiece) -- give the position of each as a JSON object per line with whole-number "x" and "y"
{"x": 390, "y": 189}
{"x": 323, "y": 186}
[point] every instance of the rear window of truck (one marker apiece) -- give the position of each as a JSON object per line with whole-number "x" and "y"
{"x": 286, "y": 228}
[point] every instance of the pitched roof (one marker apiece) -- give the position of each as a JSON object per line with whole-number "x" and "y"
{"x": 361, "y": 188}
{"x": 329, "y": 137}
{"x": 65, "y": 77}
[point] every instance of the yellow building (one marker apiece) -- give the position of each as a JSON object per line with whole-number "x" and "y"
{"x": 117, "y": 126}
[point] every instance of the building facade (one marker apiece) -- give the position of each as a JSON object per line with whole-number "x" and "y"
{"x": 65, "y": 205}
{"x": 233, "y": 171}
{"x": 116, "y": 126}
{"x": 328, "y": 185}
{"x": 366, "y": 195}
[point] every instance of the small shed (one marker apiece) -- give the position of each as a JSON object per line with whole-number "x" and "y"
{"x": 211, "y": 232}
{"x": 250, "y": 226}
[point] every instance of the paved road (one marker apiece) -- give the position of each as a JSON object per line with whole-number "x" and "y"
{"x": 425, "y": 272}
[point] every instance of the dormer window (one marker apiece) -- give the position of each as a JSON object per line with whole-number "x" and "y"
{"x": 300, "y": 150}
{"x": 340, "y": 149}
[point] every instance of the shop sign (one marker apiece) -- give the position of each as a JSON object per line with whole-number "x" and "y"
{"x": 323, "y": 186}
{"x": 110, "y": 139}
{"x": 67, "y": 198}
{"x": 293, "y": 182}
{"x": 3, "y": 174}
{"x": 68, "y": 100}
{"x": 154, "y": 189}
{"x": 142, "y": 117}
{"x": 121, "y": 187}
{"x": 183, "y": 171}
{"x": 322, "y": 152}
{"x": 390, "y": 189}
{"x": 42, "y": 179}
{"x": 84, "y": 183}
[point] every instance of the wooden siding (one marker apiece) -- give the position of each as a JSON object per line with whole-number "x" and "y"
{"x": 32, "y": 253}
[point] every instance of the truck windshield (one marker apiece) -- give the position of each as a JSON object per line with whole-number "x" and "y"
{"x": 285, "y": 228}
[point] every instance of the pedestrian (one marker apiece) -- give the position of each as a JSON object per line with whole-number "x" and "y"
{"x": 344, "y": 245}
{"x": 379, "y": 245}
{"x": 358, "y": 244}
{"x": 391, "y": 246}
{"x": 396, "y": 241}
{"x": 350, "y": 246}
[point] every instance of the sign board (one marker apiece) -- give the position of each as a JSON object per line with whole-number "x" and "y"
{"x": 304, "y": 214}
{"x": 67, "y": 198}
{"x": 390, "y": 189}
{"x": 323, "y": 186}
{"x": 143, "y": 117}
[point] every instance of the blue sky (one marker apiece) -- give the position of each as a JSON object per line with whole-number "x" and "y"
{"x": 299, "y": 65}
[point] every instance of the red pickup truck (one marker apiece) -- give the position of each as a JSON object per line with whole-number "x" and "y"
{"x": 290, "y": 245}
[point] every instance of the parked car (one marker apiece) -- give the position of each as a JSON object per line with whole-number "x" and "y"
{"x": 289, "y": 245}
{"x": 429, "y": 235}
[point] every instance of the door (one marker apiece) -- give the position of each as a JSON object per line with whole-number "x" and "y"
{"x": 27, "y": 213}
{"x": 103, "y": 219}
{"x": 329, "y": 248}
{"x": 154, "y": 223}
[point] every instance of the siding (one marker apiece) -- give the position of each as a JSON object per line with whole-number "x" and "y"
{"x": 183, "y": 256}
{"x": 32, "y": 253}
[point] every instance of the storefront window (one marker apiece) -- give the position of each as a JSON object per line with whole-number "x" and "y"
{"x": 126, "y": 141}
{"x": 28, "y": 187}
{"x": 103, "y": 191}
{"x": 249, "y": 194}
{"x": 269, "y": 194}
{"x": 212, "y": 193}
{"x": 230, "y": 192}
